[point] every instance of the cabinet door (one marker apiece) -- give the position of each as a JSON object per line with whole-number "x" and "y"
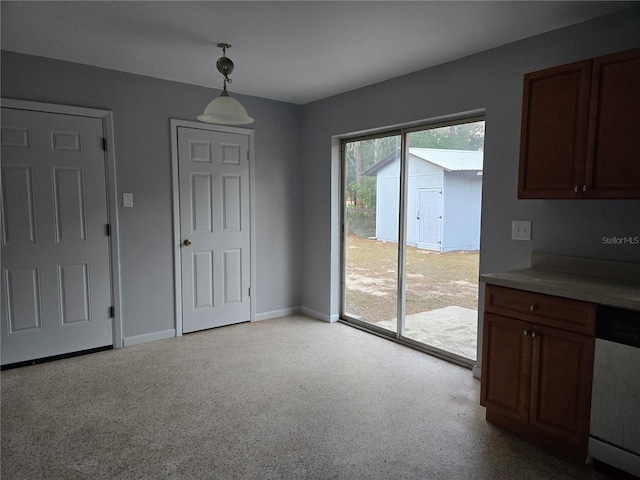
{"x": 506, "y": 367}
{"x": 554, "y": 131}
{"x": 613, "y": 152}
{"x": 562, "y": 369}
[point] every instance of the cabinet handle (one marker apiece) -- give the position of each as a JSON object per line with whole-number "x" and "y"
{"x": 526, "y": 333}
{"x": 584, "y": 188}
{"x": 532, "y": 307}
{"x": 534, "y": 334}
{"x": 575, "y": 189}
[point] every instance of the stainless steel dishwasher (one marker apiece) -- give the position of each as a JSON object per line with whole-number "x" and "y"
{"x": 615, "y": 403}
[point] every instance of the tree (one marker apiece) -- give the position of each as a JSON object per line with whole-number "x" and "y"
{"x": 360, "y": 156}
{"x": 466, "y": 136}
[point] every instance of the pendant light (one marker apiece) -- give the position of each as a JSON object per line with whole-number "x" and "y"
{"x": 225, "y": 110}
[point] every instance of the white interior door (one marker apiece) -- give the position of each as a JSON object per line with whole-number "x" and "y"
{"x": 214, "y": 227}
{"x": 56, "y": 279}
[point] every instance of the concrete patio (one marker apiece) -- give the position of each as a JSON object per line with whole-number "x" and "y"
{"x": 453, "y": 329}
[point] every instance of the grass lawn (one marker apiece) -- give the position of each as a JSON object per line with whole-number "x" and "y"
{"x": 434, "y": 280}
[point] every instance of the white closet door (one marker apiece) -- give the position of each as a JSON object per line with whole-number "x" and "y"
{"x": 56, "y": 284}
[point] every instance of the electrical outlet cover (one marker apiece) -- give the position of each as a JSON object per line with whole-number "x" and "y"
{"x": 521, "y": 230}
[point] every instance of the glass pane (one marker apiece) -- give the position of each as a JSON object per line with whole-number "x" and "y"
{"x": 444, "y": 193}
{"x": 372, "y": 168}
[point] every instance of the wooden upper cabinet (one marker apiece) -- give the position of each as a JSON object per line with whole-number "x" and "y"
{"x": 580, "y": 129}
{"x": 613, "y": 153}
{"x": 554, "y": 131}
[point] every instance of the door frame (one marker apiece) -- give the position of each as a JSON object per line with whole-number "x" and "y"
{"x": 338, "y": 264}
{"x": 106, "y": 117}
{"x": 177, "y": 259}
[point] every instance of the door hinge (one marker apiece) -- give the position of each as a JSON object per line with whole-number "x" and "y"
{"x": 112, "y": 312}
{"x": 248, "y": 155}
{"x": 108, "y": 229}
{"x": 249, "y": 291}
{"x": 104, "y": 144}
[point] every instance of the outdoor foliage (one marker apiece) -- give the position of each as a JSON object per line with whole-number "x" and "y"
{"x": 365, "y": 192}
{"x": 467, "y": 136}
{"x": 361, "y": 156}
{"x": 361, "y": 221}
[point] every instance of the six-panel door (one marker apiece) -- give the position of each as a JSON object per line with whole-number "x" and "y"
{"x": 215, "y": 227}
{"x": 56, "y": 279}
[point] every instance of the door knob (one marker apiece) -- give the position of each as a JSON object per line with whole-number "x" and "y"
{"x": 187, "y": 242}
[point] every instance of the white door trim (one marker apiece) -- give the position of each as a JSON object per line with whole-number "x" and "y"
{"x": 177, "y": 262}
{"x": 112, "y": 203}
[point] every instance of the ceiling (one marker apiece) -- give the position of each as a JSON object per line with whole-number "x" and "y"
{"x": 293, "y": 51}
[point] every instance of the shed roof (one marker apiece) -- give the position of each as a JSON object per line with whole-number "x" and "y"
{"x": 449, "y": 160}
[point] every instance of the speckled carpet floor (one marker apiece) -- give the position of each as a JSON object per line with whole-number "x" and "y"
{"x": 290, "y": 398}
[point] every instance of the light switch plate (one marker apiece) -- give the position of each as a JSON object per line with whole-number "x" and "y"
{"x": 127, "y": 199}
{"x": 521, "y": 230}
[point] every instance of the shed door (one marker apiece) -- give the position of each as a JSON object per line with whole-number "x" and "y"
{"x": 429, "y": 217}
{"x": 56, "y": 278}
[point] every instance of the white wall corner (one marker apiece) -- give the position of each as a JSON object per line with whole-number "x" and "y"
{"x": 149, "y": 337}
{"x": 277, "y": 313}
{"x": 319, "y": 315}
{"x": 477, "y": 371}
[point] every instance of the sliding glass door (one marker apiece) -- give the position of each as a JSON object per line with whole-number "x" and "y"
{"x": 411, "y": 214}
{"x": 370, "y": 242}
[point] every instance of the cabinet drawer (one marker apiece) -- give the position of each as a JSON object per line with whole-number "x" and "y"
{"x": 557, "y": 312}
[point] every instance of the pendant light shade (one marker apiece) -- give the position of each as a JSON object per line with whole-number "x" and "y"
{"x": 225, "y": 110}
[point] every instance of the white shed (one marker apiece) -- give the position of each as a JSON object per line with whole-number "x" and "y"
{"x": 443, "y": 203}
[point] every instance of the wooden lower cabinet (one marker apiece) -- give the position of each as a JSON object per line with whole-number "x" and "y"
{"x": 506, "y": 367}
{"x": 536, "y": 379}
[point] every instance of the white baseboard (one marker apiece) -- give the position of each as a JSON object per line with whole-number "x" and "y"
{"x": 277, "y": 313}
{"x": 149, "y": 337}
{"x": 477, "y": 371}
{"x": 319, "y": 315}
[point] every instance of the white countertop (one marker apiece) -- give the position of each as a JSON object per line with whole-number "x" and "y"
{"x": 598, "y": 281}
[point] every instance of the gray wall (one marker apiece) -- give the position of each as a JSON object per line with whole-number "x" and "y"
{"x": 142, "y": 107}
{"x": 492, "y": 81}
{"x": 297, "y": 195}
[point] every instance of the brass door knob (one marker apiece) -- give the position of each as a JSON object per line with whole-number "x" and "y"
{"x": 187, "y": 242}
